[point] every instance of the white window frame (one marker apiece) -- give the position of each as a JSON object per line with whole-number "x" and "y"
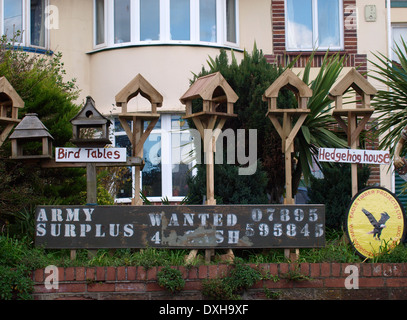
{"x": 165, "y": 132}
{"x": 26, "y": 25}
{"x": 315, "y": 26}
{"x": 221, "y": 37}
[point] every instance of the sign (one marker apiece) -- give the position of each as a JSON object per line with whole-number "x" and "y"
{"x": 220, "y": 226}
{"x": 90, "y": 155}
{"x": 353, "y": 156}
{"x": 375, "y": 222}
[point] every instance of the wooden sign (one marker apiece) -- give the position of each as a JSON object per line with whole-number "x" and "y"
{"x": 354, "y": 156}
{"x": 90, "y": 154}
{"x": 193, "y": 227}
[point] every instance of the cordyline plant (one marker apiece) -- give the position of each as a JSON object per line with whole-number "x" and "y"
{"x": 315, "y": 133}
{"x": 391, "y": 104}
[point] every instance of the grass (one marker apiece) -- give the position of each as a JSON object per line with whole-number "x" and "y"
{"x": 15, "y": 252}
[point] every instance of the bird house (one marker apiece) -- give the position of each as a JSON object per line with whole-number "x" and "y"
{"x": 10, "y": 102}
{"x": 26, "y": 138}
{"x": 357, "y": 116}
{"x": 218, "y": 98}
{"x": 89, "y": 127}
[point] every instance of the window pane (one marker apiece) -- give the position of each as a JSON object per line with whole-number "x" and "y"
{"x": 181, "y": 156}
{"x": 299, "y": 24}
{"x": 398, "y": 33}
{"x": 151, "y": 174}
{"x": 231, "y": 20}
{"x": 37, "y": 23}
{"x": 100, "y": 21}
{"x": 180, "y": 19}
{"x": 13, "y": 18}
{"x": 328, "y": 23}
{"x": 207, "y": 20}
{"x": 121, "y": 21}
{"x": 149, "y": 20}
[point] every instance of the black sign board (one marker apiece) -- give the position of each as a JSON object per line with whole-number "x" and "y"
{"x": 194, "y": 227}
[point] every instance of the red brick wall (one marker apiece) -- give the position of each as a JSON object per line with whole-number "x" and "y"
{"x": 326, "y": 281}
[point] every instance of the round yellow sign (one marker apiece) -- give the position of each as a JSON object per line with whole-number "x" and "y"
{"x": 375, "y": 222}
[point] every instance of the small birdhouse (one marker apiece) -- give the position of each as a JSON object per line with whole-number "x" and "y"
{"x": 89, "y": 127}
{"x": 218, "y": 98}
{"x": 10, "y": 102}
{"x": 28, "y": 134}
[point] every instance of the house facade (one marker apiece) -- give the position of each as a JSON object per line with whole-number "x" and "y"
{"x": 106, "y": 43}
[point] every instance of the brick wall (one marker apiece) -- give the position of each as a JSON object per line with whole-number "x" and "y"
{"x": 350, "y": 50}
{"x": 324, "y": 281}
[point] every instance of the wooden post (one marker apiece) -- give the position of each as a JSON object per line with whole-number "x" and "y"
{"x": 286, "y": 131}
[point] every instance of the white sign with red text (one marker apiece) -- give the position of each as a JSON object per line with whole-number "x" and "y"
{"x": 90, "y": 154}
{"x": 354, "y": 156}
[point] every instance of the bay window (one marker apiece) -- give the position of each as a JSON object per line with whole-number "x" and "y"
{"x": 129, "y": 22}
{"x": 168, "y": 161}
{"x": 25, "y": 18}
{"x": 314, "y": 24}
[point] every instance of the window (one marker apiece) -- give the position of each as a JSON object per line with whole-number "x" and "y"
{"x": 399, "y": 31}
{"x": 168, "y": 161}
{"x": 13, "y": 17}
{"x": 121, "y": 21}
{"x": 37, "y": 25}
{"x": 149, "y": 20}
{"x": 207, "y": 20}
{"x": 99, "y": 22}
{"x": 314, "y": 24}
{"x": 180, "y": 19}
{"x": 24, "y": 22}
{"x": 129, "y": 22}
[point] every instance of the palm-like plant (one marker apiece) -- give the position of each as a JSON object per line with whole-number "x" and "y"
{"x": 315, "y": 133}
{"x": 391, "y": 104}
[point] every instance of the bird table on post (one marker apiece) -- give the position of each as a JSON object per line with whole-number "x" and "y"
{"x": 287, "y": 130}
{"x": 218, "y": 99}
{"x": 138, "y": 135}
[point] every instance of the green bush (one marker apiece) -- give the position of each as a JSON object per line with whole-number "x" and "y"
{"x": 171, "y": 279}
{"x": 335, "y": 191}
{"x": 240, "y": 278}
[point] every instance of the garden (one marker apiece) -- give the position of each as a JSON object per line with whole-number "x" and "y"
{"x": 40, "y": 82}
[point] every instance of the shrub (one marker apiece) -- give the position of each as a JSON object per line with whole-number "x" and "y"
{"x": 241, "y": 277}
{"x": 335, "y": 191}
{"x": 171, "y": 279}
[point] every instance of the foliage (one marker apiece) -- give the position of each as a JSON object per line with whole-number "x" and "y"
{"x": 231, "y": 188}
{"x": 170, "y": 279}
{"x": 240, "y": 278}
{"x": 249, "y": 80}
{"x": 391, "y": 103}
{"x": 315, "y": 133}
{"x": 15, "y": 283}
{"x": 39, "y": 80}
{"x": 335, "y": 191}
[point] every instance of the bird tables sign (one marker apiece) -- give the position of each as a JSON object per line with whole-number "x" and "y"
{"x": 138, "y": 135}
{"x": 375, "y": 222}
{"x": 10, "y": 102}
{"x": 353, "y": 128}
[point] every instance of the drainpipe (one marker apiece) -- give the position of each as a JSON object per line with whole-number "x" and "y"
{"x": 389, "y": 35}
